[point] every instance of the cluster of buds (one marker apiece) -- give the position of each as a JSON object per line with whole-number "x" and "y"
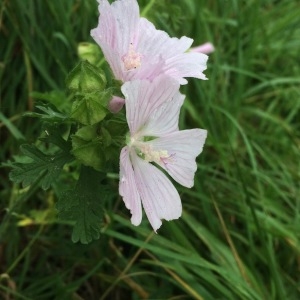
{"x": 151, "y": 67}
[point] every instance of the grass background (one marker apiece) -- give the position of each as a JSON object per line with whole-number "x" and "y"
{"x": 238, "y": 237}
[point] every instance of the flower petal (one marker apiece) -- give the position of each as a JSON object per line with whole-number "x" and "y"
{"x": 165, "y": 118}
{"x": 183, "y": 147}
{"x": 154, "y": 43}
{"x": 144, "y": 97}
{"x": 127, "y": 16}
{"x": 118, "y": 24}
{"x": 159, "y": 197}
{"x": 148, "y": 70}
{"x": 114, "y": 60}
{"x": 128, "y": 189}
{"x": 116, "y": 30}
{"x": 190, "y": 64}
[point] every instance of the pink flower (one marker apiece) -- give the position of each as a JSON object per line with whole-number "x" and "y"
{"x": 134, "y": 49}
{"x": 205, "y": 48}
{"x": 152, "y": 112}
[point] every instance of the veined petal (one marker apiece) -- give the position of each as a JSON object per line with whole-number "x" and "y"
{"x": 127, "y": 15}
{"x": 190, "y": 64}
{"x": 182, "y": 147}
{"x": 165, "y": 118}
{"x": 111, "y": 55}
{"x": 178, "y": 64}
{"x": 116, "y": 31}
{"x": 106, "y": 30}
{"x": 144, "y": 97}
{"x": 128, "y": 189}
{"x": 148, "y": 70}
{"x": 118, "y": 24}
{"x": 159, "y": 197}
{"x": 154, "y": 43}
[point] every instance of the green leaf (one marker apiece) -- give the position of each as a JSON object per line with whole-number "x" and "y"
{"x": 83, "y": 205}
{"x": 54, "y": 137}
{"x": 56, "y": 98}
{"x": 90, "y": 108}
{"x": 47, "y": 166}
{"x": 48, "y": 112}
{"x": 86, "y": 78}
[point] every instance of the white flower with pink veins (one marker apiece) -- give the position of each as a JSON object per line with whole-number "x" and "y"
{"x": 152, "y": 112}
{"x": 135, "y": 49}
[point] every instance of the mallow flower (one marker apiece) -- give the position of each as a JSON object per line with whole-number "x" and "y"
{"x": 135, "y": 49}
{"x": 155, "y": 143}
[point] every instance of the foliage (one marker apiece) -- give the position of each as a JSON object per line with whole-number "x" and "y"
{"x": 82, "y": 205}
{"x": 239, "y": 234}
{"x": 47, "y": 166}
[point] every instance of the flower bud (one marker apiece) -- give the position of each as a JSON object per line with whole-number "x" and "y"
{"x": 86, "y": 78}
{"x": 88, "y": 147}
{"x": 91, "y": 108}
{"x": 89, "y": 52}
{"x": 206, "y": 48}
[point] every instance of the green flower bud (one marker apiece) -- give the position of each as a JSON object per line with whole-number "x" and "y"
{"x": 88, "y": 147}
{"x": 89, "y": 52}
{"x": 85, "y": 78}
{"x": 91, "y": 108}
{"x": 94, "y": 146}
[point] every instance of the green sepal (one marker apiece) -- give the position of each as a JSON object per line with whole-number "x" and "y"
{"x": 99, "y": 145}
{"x": 116, "y": 86}
{"x": 86, "y": 78}
{"x": 87, "y": 133}
{"x": 88, "y": 147}
{"x": 91, "y": 154}
{"x": 116, "y": 125}
{"x": 91, "y": 108}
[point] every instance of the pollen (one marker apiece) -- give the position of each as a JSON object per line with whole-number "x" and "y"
{"x": 132, "y": 59}
{"x": 157, "y": 156}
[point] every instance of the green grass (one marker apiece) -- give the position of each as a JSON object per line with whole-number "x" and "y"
{"x": 238, "y": 237}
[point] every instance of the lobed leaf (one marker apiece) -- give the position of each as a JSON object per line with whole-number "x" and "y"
{"x": 47, "y": 112}
{"x": 46, "y": 166}
{"x": 83, "y": 205}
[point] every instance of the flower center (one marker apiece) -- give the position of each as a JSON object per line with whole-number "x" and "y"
{"x": 146, "y": 151}
{"x": 156, "y": 156}
{"x": 159, "y": 156}
{"x": 132, "y": 59}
